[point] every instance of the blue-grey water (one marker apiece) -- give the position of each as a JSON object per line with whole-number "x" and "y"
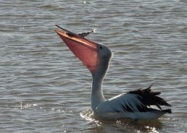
{"x": 45, "y": 89}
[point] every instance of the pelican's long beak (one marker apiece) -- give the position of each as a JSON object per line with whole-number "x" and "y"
{"x": 84, "y": 49}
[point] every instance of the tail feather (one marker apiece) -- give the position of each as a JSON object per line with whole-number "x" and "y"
{"x": 167, "y": 111}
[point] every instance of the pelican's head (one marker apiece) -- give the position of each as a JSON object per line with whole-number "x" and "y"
{"x": 94, "y": 56}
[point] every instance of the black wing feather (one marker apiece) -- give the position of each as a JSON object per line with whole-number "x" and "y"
{"x": 148, "y": 97}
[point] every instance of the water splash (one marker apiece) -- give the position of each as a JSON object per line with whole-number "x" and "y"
{"x": 89, "y": 116}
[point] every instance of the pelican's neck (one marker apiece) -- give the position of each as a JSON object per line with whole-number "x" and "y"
{"x": 97, "y": 96}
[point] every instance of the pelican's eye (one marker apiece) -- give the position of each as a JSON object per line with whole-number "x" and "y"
{"x": 100, "y": 47}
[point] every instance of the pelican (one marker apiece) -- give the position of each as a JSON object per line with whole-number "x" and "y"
{"x": 136, "y": 105}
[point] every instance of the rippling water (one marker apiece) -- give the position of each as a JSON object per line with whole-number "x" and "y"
{"x": 44, "y": 88}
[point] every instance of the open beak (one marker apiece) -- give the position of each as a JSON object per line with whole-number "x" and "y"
{"x": 84, "y": 49}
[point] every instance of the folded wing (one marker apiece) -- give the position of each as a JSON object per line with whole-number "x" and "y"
{"x": 134, "y": 101}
